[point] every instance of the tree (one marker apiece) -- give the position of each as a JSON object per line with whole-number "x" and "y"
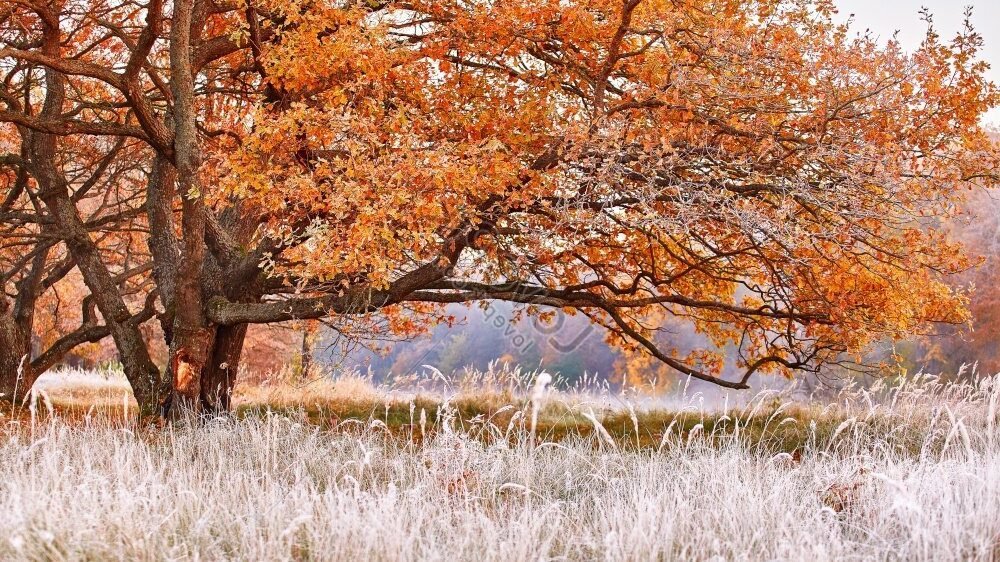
{"x": 948, "y": 351}
{"x": 77, "y": 193}
{"x": 37, "y": 270}
{"x": 745, "y": 166}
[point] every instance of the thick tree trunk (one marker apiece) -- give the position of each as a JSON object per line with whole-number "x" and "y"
{"x": 219, "y": 377}
{"x": 16, "y": 323}
{"x": 16, "y": 375}
{"x": 193, "y": 336}
{"x": 189, "y": 357}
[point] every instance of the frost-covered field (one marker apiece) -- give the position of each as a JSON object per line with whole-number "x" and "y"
{"x": 909, "y": 474}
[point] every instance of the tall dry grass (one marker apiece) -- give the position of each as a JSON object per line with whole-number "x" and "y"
{"x": 904, "y": 471}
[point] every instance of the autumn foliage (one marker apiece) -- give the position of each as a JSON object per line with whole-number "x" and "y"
{"x": 748, "y": 168}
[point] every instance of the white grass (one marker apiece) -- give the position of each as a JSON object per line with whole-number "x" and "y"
{"x": 278, "y": 489}
{"x": 78, "y": 387}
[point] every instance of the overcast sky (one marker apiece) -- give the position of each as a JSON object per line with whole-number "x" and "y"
{"x": 884, "y": 17}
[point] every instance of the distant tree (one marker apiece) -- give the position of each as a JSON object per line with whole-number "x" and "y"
{"x": 745, "y": 166}
{"x": 976, "y": 341}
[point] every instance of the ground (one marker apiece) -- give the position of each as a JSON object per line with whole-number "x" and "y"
{"x": 342, "y": 469}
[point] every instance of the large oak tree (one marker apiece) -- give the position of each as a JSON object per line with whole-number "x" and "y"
{"x": 747, "y": 167}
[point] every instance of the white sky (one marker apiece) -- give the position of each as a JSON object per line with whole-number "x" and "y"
{"x": 884, "y": 17}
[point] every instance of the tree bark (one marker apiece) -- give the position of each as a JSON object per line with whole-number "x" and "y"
{"x": 219, "y": 377}
{"x": 162, "y": 242}
{"x": 193, "y": 336}
{"x": 306, "y": 352}
{"x": 16, "y": 375}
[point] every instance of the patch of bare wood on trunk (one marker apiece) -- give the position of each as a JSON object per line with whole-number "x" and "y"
{"x": 186, "y": 374}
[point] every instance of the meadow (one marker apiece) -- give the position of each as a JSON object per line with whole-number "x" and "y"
{"x": 726, "y": 192}
{"x": 906, "y": 470}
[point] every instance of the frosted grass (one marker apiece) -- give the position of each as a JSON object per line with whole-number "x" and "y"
{"x": 279, "y": 489}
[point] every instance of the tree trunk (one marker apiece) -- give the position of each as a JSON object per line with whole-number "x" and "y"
{"x": 16, "y": 375}
{"x": 162, "y": 242}
{"x": 306, "y": 353}
{"x": 219, "y": 377}
{"x": 189, "y": 357}
{"x": 193, "y": 337}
